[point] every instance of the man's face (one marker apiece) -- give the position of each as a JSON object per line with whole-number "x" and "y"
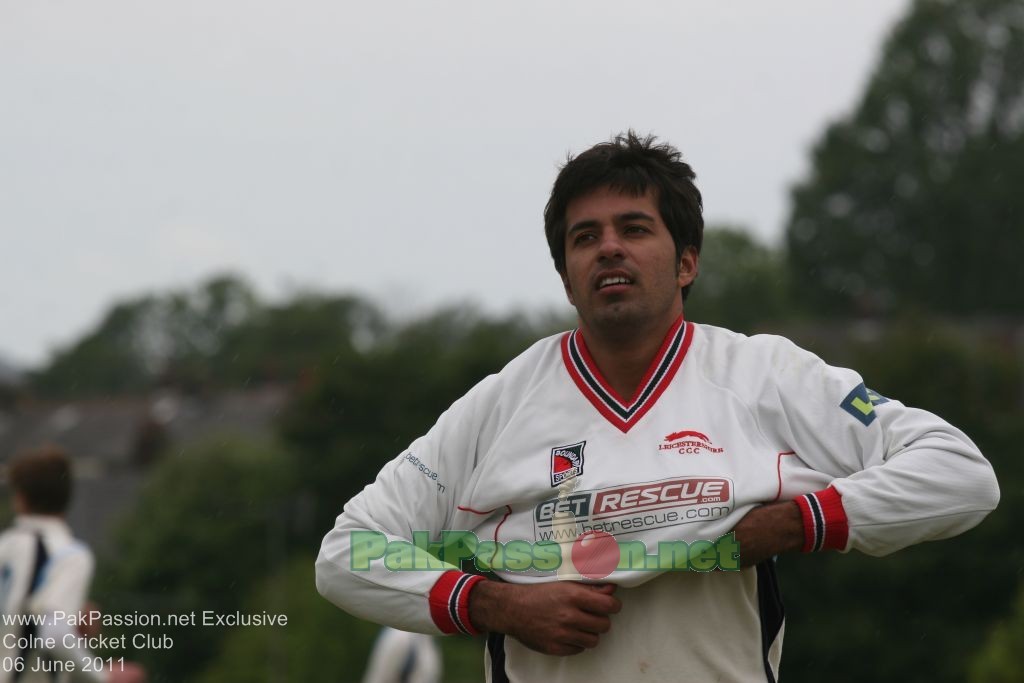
{"x": 620, "y": 262}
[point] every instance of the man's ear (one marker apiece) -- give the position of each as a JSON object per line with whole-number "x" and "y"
{"x": 688, "y": 266}
{"x": 568, "y": 288}
{"x": 19, "y": 504}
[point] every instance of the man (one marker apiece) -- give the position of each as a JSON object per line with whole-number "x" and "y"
{"x": 45, "y": 573}
{"x": 655, "y": 430}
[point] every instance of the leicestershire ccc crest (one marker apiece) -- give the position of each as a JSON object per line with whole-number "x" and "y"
{"x": 566, "y": 462}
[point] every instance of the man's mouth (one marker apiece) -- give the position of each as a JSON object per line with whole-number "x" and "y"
{"x": 613, "y": 280}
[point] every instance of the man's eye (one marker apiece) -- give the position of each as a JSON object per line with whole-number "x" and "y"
{"x": 636, "y": 228}
{"x": 582, "y": 237}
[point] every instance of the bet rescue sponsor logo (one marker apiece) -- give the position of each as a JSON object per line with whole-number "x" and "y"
{"x": 566, "y": 462}
{"x": 633, "y": 507}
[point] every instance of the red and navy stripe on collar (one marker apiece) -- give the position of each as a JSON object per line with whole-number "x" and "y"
{"x": 595, "y": 388}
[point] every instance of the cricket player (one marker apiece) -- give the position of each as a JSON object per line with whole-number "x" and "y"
{"x": 690, "y": 455}
{"x": 44, "y": 579}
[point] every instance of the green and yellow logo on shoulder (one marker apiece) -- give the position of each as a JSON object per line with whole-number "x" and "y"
{"x": 861, "y": 403}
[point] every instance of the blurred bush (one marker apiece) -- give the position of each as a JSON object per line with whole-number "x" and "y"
{"x": 926, "y": 610}
{"x": 320, "y": 643}
{"x": 211, "y": 521}
{"x": 1002, "y": 659}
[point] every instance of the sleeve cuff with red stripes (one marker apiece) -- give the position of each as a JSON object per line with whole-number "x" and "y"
{"x": 449, "y": 602}
{"x": 825, "y": 525}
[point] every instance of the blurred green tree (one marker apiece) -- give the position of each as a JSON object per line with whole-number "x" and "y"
{"x": 741, "y": 283}
{"x": 290, "y": 341}
{"x": 914, "y": 201}
{"x": 108, "y": 360}
{"x": 210, "y": 521}
{"x": 363, "y": 409}
{"x": 213, "y": 336}
{"x": 920, "y": 613}
{"x": 142, "y": 340}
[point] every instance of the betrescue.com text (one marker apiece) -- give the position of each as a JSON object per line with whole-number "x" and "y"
{"x": 595, "y": 549}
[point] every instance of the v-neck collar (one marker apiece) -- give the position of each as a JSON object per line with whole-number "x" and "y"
{"x": 663, "y": 367}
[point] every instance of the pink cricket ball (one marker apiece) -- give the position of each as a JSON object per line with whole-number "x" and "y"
{"x": 595, "y": 554}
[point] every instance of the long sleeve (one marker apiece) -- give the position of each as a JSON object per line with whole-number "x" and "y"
{"x": 414, "y": 496}
{"x": 64, "y": 593}
{"x": 900, "y": 475}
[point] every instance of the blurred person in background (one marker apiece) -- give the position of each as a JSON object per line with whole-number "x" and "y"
{"x": 403, "y": 657}
{"x": 44, "y": 573}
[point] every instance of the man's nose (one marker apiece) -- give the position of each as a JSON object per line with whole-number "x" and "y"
{"x": 611, "y": 244}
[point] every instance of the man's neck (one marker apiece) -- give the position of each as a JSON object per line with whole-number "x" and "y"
{"x": 624, "y": 355}
{"x": 42, "y": 517}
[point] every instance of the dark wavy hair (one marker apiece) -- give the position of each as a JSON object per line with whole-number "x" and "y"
{"x": 633, "y": 165}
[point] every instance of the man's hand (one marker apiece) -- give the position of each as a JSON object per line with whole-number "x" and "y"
{"x": 769, "y": 530}
{"x": 88, "y": 621}
{"x": 129, "y": 672}
{"x": 557, "y": 618}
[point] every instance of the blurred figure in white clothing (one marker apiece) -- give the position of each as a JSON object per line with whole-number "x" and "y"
{"x": 403, "y": 657}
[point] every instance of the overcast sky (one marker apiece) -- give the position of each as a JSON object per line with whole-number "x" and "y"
{"x": 403, "y": 150}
